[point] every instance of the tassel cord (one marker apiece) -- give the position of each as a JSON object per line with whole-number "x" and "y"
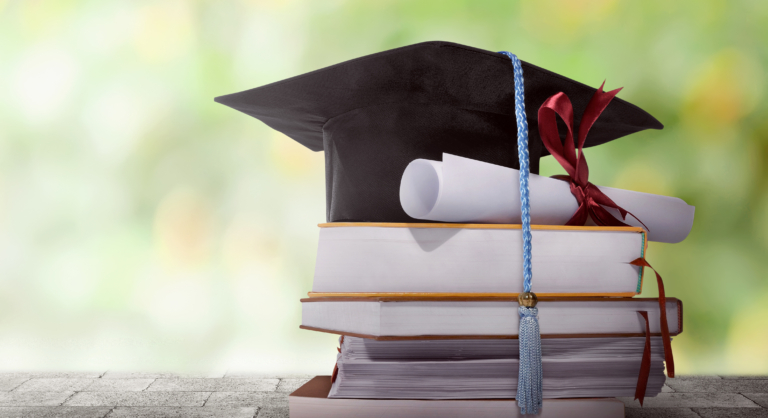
{"x": 529, "y": 382}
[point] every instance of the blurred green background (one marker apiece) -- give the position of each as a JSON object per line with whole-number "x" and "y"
{"x": 144, "y": 227}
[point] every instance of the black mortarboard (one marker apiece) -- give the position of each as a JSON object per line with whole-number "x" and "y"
{"x": 375, "y": 114}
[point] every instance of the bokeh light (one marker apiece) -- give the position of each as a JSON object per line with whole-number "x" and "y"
{"x": 145, "y": 227}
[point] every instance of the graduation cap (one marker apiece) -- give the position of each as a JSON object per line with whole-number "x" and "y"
{"x": 375, "y": 114}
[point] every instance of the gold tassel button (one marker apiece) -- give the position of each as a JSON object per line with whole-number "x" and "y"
{"x": 527, "y": 299}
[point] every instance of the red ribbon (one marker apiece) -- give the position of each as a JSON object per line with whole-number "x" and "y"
{"x": 336, "y": 365}
{"x": 336, "y": 374}
{"x": 591, "y": 200}
{"x": 668, "y": 358}
{"x": 645, "y": 364}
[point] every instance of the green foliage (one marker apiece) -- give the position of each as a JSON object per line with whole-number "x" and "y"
{"x": 144, "y": 226}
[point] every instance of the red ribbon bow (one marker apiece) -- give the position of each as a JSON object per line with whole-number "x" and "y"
{"x": 591, "y": 200}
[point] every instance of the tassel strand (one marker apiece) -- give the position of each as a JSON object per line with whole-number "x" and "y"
{"x": 529, "y": 391}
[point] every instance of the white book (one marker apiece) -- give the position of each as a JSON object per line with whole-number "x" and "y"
{"x": 488, "y": 369}
{"x": 382, "y": 318}
{"x": 311, "y": 401}
{"x": 381, "y": 259}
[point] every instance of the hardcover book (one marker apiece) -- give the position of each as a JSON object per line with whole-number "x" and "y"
{"x": 363, "y": 259}
{"x": 485, "y": 317}
{"x": 311, "y": 401}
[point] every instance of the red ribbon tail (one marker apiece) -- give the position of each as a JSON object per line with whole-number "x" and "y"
{"x": 336, "y": 365}
{"x": 645, "y": 364}
{"x": 638, "y": 219}
{"x": 668, "y": 358}
{"x": 624, "y": 214}
{"x": 602, "y": 199}
{"x": 604, "y": 218}
{"x": 595, "y": 108}
{"x": 563, "y": 177}
{"x": 335, "y": 373}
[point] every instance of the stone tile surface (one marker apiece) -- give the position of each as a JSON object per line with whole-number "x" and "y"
{"x": 693, "y": 400}
{"x": 183, "y": 412}
{"x": 273, "y": 413}
{"x": 55, "y": 384}
{"x": 138, "y": 399}
{"x": 257, "y": 399}
{"x": 159, "y": 375}
{"x": 118, "y": 385}
{"x": 694, "y": 377}
{"x": 70, "y": 375}
{"x": 57, "y": 412}
{"x": 256, "y": 375}
{"x": 758, "y": 398}
{"x": 660, "y": 413}
{"x": 8, "y": 384}
{"x": 732, "y": 412}
{"x": 33, "y": 398}
{"x": 215, "y": 385}
{"x": 721, "y": 385}
{"x": 289, "y": 385}
{"x": 118, "y": 394}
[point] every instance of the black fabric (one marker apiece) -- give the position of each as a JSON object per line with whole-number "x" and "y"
{"x": 375, "y": 114}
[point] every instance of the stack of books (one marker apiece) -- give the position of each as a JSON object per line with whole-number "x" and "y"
{"x": 427, "y": 315}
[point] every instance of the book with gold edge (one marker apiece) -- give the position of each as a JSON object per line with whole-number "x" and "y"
{"x": 380, "y": 259}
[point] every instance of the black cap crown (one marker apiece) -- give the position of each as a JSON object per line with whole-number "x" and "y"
{"x": 375, "y": 114}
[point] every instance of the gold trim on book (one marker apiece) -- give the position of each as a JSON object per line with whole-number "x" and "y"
{"x": 426, "y": 295}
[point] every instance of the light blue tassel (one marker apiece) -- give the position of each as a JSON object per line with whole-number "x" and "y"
{"x": 529, "y": 388}
{"x": 529, "y": 394}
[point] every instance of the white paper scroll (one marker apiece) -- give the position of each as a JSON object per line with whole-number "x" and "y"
{"x": 460, "y": 189}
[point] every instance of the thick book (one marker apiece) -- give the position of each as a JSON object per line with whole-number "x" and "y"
{"x": 485, "y": 317}
{"x": 365, "y": 259}
{"x": 311, "y": 401}
{"x": 487, "y": 369}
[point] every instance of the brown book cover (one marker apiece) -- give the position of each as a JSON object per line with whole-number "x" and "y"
{"x": 486, "y": 299}
{"x": 311, "y": 400}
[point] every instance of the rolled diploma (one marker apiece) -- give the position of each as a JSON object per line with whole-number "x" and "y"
{"x": 461, "y": 189}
